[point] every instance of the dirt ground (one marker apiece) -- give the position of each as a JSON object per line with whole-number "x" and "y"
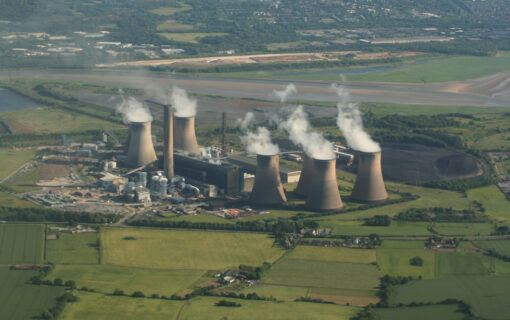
{"x": 48, "y": 171}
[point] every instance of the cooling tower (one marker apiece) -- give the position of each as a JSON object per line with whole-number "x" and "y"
{"x": 369, "y": 186}
{"x": 141, "y": 151}
{"x": 323, "y": 194}
{"x": 168, "y": 151}
{"x": 305, "y": 178}
{"x": 184, "y": 135}
{"x": 268, "y": 188}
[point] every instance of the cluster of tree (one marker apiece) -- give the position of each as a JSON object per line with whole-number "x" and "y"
{"x": 38, "y": 280}
{"x": 502, "y": 230}
{"x": 55, "y": 311}
{"x": 416, "y": 261}
{"x": 314, "y": 300}
{"x": 387, "y": 283}
{"x": 378, "y": 221}
{"x": 254, "y": 273}
{"x": 29, "y": 139}
{"x": 225, "y": 303}
{"x": 43, "y": 214}
{"x": 462, "y": 184}
{"x": 370, "y": 242}
{"x": 440, "y": 214}
{"x": 492, "y": 253}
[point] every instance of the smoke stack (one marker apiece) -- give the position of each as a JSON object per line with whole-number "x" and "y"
{"x": 141, "y": 151}
{"x": 305, "y": 178}
{"x": 184, "y": 134}
{"x": 323, "y": 194}
{"x": 268, "y": 188}
{"x": 369, "y": 186}
{"x": 168, "y": 123}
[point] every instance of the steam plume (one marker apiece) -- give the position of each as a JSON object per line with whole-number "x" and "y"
{"x": 183, "y": 104}
{"x": 350, "y": 123}
{"x": 133, "y": 110}
{"x": 285, "y": 93}
{"x": 257, "y": 141}
{"x": 300, "y": 132}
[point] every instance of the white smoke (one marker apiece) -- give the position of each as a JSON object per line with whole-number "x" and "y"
{"x": 256, "y": 141}
{"x": 351, "y": 124}
{"x": 133, "y": 110}
{"x": 184, "y": 105}
{"x": 285, "y": 93}
{"x": 300, "y": 132}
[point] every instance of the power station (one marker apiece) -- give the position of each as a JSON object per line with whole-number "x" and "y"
{"x": 168, "y": 149}
{"x": 369, "y": 186}
{"x": 305, "y": 178}
{"x": 141, "y": 151}
{"x": 184, "y": 135}
{"x": 268, "y": 188}
{"x": 323, "y": 194}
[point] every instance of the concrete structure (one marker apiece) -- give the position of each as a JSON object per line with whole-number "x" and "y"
{"x": 184, "y": 135}
{"x": 168, "y": 150}
{"x": 369, "y": 186}
{"x": 305, "y": 179}
{"x": 323, "y": 194}
{"x": 141, "y": 150}
{"x": 268, "y": 188}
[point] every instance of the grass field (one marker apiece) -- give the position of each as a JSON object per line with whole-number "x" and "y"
{"x": 448, "y": 264}
{"x": 172, "y": 25}
{"x": 190, "y": 37}
{"x": 168, "y": 11}
{"x": 21, "y": 244}
{"x": 96, "y": 306}
{"x": 395, "y": 262}
{"x": 24, "y": 181}
{"x": 494, "y": 202}
{"x": 73, "y": 249}
{"x": 402, "y": 244}
{"x": 499, "y": 246}
{"x": 186, "y": 249}
{"x": 323, "y": 274}
{"x": 203, "y": 308}
{"x": 106, "y": 279}
{"x": 400, "y": 228}
{"x": 20, "y": 301}
{"x": 464, "y": 229}
{"x": 450, "y": 69}
{"x": 209, "y": 218}
{"x": 53, "y": 120}
{"x": 438, "y": 312}
{"x": 333, "y": 254}
{"x": 11, "y": 160}
{"x": 285, "y": 293}
{"x": 488, "y": 295}
{"x": 9, "y": 200}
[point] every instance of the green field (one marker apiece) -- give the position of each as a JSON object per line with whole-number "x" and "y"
{"x": 500, "y": 246}
{"x": 209, "y": 218}
{"x": 437, "y": 312}
{"x": 402, "y": 244}
{"x": 24, "y": 182}
{"x": 448, "y": 264}
{"x": 449, "y": 69}
{"x": 21, "y": 244}
{"x": 106, "y": 279}
{"x": 168, "y": 11}
{"x": 322, "y": 274}
{"x": 397, "y": 228}
{"x": 186, "y": 249}
{"x": 9, "y": 200}
{"x": 73, "y": 249}
{"x": 396, "y": 262}
{"x": 463, "y": 229}
{"x": 20, "y": 301}
{"x": 96, "y": 306}
{"x": 333, "y": 254}
{"x": 488, "y": 295}
{"x": 191, "y": 37}
{"x": 285, "y": 293}
{"x": 494, "y": 202}
{"x": 203, "y": 308}
{"x": 172, "y": 25}
{"x": 11, "y": 160}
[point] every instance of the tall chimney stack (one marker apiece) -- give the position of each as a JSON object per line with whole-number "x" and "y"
{"x": 168, "y": 123}
{"x": 369, "y": 186}
{"x": 141, "y": 151}
{"x": 268, "y": 188}
{"x": 323, "y": 194}
{"x": 184, "y": 134}
{"x": 305, "y": 178}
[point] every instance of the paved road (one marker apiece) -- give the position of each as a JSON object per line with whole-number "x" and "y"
{"x": 394, "y": 93}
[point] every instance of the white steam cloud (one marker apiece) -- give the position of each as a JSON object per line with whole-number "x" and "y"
{"x": 256, "y": 141}
{"x": 184, "y": 105}
{"x": 301, "y": 133}
{"x": 133, "y": 110}
{"x": 285, "y": 93}
{"x": 351, "y": 124}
